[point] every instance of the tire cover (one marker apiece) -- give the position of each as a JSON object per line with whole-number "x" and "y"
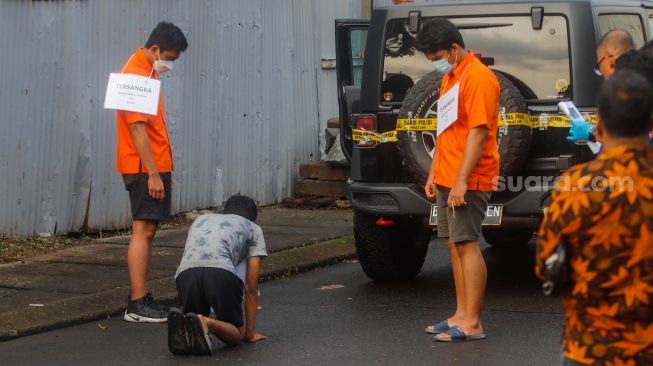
{"x": 417, "y": 147}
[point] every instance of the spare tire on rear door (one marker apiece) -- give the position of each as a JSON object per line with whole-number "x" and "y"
{"x": 417, "y": 147}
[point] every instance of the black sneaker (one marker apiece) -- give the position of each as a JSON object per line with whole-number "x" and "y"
{"x": 198, "y": 341}
{"x": 156, "y": 305}
{"x": 144, "y": 310}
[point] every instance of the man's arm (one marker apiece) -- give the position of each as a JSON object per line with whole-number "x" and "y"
{"x": 473, "y": 149}
{"x": 251, "y": 300}
{"x": 142, "y": 143}
{"x": 429, "y": 186}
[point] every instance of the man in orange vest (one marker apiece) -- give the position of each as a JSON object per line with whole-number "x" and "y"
{"x": 144, "y": 158}
{"x": 464, "y": 170}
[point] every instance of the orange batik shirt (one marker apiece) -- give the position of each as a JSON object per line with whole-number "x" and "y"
{"x": 603, "y": 210}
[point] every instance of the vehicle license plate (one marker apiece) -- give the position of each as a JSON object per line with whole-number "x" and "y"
{"x": 492, "y": 215}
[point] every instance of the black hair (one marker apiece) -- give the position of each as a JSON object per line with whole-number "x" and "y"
{"x": 639, "y": 61}
{"x": 625, "y": 104}
{"x": 168, "y": 37}
{"x": 437, "y": 34}
{"x": 242, "y": 206}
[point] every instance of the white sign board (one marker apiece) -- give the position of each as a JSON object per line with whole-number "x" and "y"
{"x": 448, "y": 108}
{"x": 134, "y": 93}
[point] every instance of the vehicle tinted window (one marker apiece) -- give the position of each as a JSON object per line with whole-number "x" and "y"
{"x": 357, "y": 38}
{"x": 537, "y": 58}
{"x": 632, "y": 23}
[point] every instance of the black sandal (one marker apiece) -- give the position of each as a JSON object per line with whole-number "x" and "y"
{"x": 199, "y": 342}
{"x": 177, "y": 342}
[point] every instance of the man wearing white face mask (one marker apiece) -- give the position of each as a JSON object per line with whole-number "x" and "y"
{"x": 144, "y": 158}
{"x": 464, "y": 169}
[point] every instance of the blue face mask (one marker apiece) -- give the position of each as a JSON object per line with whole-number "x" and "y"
{"x": 443, "y": 66}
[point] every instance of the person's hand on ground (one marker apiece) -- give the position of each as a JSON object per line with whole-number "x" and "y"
{"x": 580, "y": 130}
{"x": 253, "y": 337}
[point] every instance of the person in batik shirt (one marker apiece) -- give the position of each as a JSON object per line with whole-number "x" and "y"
{"x": 603, "y": 212}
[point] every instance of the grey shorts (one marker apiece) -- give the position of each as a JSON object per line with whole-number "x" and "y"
{"x": 467, "y": 224}
{"x": 143, "y": 206}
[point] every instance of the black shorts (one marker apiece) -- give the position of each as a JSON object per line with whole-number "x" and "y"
{"x": 203, "y": 288}
{"x": 144, "y": 207}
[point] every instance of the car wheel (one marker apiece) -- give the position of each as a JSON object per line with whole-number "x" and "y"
{"x": 389, "y": 253}
{"x": 418, "y": 147}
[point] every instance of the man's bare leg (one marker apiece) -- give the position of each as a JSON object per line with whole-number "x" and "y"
{"x": 459, "y": 282}
{"x": 226, "y": 332}
{"x": 474, "y": 274}
{"x": 138, "y": 256}
{"x": 456, "y": 267}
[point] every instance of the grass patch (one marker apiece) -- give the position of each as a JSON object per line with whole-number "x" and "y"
{"x": 16, "y": 249}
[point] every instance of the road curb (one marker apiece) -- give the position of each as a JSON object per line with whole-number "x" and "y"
{"x": 85, "y": 308}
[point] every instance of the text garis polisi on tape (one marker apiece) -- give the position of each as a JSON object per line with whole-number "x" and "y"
{"x": 430, "y": 124}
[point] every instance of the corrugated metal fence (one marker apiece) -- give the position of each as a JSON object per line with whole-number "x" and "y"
{"x": 242, "y": 103}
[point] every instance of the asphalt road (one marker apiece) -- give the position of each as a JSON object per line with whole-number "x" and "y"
{"x": 336, "y": 316}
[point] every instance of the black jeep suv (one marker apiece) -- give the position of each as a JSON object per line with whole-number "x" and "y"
{"x": 542, "y": 53}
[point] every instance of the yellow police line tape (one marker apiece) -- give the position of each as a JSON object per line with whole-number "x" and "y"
{"x": 541, "y": 121}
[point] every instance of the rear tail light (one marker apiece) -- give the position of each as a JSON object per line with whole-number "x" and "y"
{"x": 365, "y": 123}
{"x": 383, "y": 222}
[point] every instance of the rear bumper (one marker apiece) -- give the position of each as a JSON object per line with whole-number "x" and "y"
{"x": 521, "y": 210}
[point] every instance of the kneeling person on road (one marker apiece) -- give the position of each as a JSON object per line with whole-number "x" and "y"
{"x": 221, "y": 261}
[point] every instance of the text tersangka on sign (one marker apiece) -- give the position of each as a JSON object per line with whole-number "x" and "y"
{"x": 134, "y": 87}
